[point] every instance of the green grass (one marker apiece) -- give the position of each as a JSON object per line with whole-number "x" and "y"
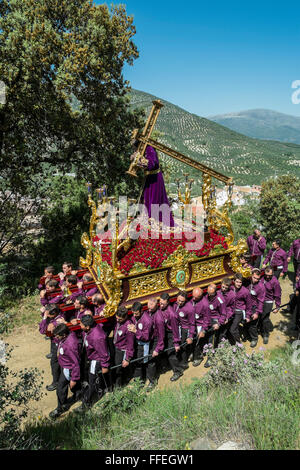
{"x": 263, "y": 414}
{"x": 24, "y": 312}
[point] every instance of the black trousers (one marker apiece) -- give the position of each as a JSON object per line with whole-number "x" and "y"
{"x": 256, "y": 262}
{"x": 62, "y": 390}
{"x": 224, "y": 330}
{"x": 251, "y": 327}
{"x": 186, "y": 350}
{"x": 265, "y": 323}
{"x": 98, "y": 382}
{"x": 140, "y": 366}
{"x": 295, "y": 307}
{"x": 55, "y": 367}
{"x": 277, "y": 273}
{"x": 198, "y": 346}
{"x": 234, "y": 329}
{"x": 296, "y": 264}
{"x": 152, "y": 365}
{"x": 212, "y": 336}
{"x": 171, "y": 356}
{"x": 121, "y": 373}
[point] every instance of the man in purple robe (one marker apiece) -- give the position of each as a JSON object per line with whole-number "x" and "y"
{"x": 202, "y": 321}
{"x": 258, "y": 293}
{"x": 242, "y": 307}
{"x": 273, "y": 293}
{"x": 229, "y": 297}
{"x": 69, "y": 361}
{"x": 256, "y": 245}
{"x": 294, "y": 252}
{"x": 277, "y": 259}
{"x": 186, "y": 316}
{"x": 172, "y": 336}
{"x": 124, "y": 345}
{"x": 154, "y": 191}
{"x": 142, "y": 325}
{"x": 217, "y": 316}
{"x": 95, "y": 344}
{"x": 52, "y": 317}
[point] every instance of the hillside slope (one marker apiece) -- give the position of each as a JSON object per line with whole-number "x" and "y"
{"x": 247, "y": 160}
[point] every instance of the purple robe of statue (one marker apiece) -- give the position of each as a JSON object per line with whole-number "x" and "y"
{"x": 154, "y": 191}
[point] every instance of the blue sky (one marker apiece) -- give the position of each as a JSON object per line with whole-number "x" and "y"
{"x": 217, "y": 57}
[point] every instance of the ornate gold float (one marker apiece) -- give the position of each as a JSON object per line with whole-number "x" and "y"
{"x": 182, "y": 270}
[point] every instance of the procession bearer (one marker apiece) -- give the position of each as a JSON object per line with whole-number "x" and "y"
{"x": 69, "y": 361}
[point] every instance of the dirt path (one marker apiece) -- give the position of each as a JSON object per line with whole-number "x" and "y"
{"x": 30, "y": 349}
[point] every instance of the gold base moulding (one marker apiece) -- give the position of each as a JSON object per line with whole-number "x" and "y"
{"x": 207, "y": 269}
{"x": 148, "y": 284}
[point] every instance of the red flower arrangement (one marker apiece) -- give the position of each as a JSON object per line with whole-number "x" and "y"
{"x": 152, "y": 253}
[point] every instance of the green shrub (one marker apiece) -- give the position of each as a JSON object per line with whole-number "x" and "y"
{"x": 16, "y": 390}
{"x": 232, "y": 364}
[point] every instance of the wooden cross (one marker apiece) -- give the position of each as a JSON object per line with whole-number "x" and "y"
{"x": 145, "y": 139}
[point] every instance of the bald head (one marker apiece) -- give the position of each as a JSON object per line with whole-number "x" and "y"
{"x": 197, "y": 293}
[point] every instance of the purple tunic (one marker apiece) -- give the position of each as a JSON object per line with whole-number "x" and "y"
{"x": 158, "y": 330}
{"x": 80, "y": 313}
{"x": 277, "y": 259}
{"x": 89, "y": 292}
{"x": 47, "y": 321}
{"x": 171, "y": 323}
{"x": 69, "y": 355}
{"x": 201, "y": 312}
{"x": 273, "y": 291}
{"x": 98, "y": 310}
{"x": 298, "y": 285}
{"x": 229, "y": 297}
{"x": 58, "y": 299}
{"x": 96, "y": 345}
{"x": 144, "y": 327}
{"x": 256, "y": 247}
{"x": 124, "y": 339}
{"x": 258, "y": 293}
{"x": 154, "y": 191}
{"x": 186, "y": 316}
{"x": 295, "y": 250}
{"x": 243, "y": 300}
{"x": 217, "y": 308}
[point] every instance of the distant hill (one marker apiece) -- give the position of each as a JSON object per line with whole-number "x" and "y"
{"x": 247, "y": 160}
{"x": 262, "y": 124}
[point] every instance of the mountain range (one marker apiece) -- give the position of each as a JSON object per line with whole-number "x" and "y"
{"x": 262, "y": 124}
{"x": 250, "y": 161}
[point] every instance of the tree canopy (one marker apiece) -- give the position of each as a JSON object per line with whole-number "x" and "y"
{"x": 61, "y": 62}
{"x": 280, "y": 209}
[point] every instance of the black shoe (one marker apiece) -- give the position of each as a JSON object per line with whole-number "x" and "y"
{"x": 184, "y": 367}
{"x": 48, "y": 356}
{"x": 207, "y": 364}
{"x": 82, "y": 408}
{"x": 55, "y": 413}
{"x": 51, "y": 387}
{"x": 151, "y": 386}
{"x": 266, "y": 339}
{"x": 253, "y": 343}
{"x": 176, "y": 376}
{"x": 197, "y": 362}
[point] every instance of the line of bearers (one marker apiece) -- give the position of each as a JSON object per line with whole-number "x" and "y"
{"x": 168, "y": 335}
